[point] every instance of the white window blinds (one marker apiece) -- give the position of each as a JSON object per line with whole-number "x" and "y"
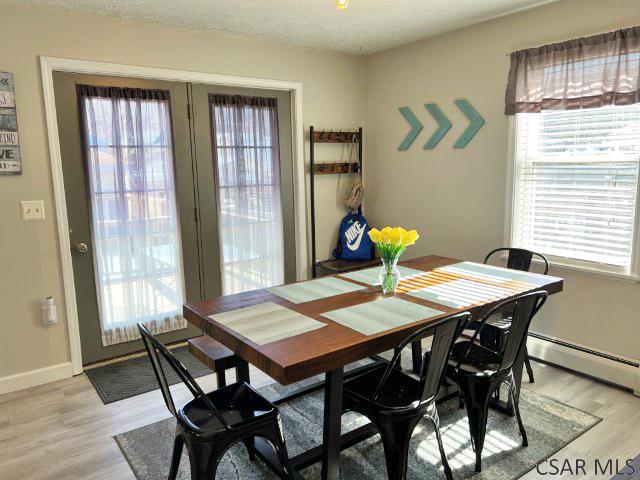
{"x": 576, "y": 182}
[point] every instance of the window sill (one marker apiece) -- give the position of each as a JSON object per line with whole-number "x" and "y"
{"x": 591, "y": 271}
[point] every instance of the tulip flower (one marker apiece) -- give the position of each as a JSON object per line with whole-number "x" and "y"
{"x": 395, "y": 237}
{"x": 410, "y": 238}
{"x": 375, "y": 235}
{"x": 386, "y": 235}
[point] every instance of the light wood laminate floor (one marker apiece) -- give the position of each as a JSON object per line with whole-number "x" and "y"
{"x": 63, "y": 431}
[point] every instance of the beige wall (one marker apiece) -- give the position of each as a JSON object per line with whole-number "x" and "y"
{"x": 333, "y": 96}
{"x": 456, "y": 198}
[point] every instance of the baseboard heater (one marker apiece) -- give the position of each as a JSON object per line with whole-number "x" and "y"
{"x": 579, "y": 348}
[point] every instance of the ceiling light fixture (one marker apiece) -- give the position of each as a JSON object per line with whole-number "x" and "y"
{"x": 342, "y": 4}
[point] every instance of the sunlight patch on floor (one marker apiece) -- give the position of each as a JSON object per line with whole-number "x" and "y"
{"x": 456, "y": 441}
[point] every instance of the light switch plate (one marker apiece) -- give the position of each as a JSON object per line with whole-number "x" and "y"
{"x": 32, "y": 209}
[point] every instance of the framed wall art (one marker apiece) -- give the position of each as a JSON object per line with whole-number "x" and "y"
{"x": 10, "y": 162}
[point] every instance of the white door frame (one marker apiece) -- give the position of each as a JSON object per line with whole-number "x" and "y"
{"x": 50, "y": 64}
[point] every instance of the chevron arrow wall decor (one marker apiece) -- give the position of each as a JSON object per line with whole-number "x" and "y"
{"x": 416, "y": 128}
{"x": 475, "y": 123}
{"x": 444, "y": 125}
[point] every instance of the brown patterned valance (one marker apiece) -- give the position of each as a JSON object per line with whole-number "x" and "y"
{"x": 583, "y": 73}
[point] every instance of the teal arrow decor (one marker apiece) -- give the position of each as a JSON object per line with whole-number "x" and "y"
{"x": 416, "y": 128}
{"x": 443, "y": 125}
{"x": 475, "y": 123}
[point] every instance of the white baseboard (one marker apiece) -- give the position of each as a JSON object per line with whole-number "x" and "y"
{"x": 33, "y": 378}
{"x": 589, "y": 364}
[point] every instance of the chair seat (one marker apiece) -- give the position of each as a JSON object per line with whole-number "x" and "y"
{"x": 479, "y": 361}
{"x": 399, "y": 390}
{"x": 238, "y": 403}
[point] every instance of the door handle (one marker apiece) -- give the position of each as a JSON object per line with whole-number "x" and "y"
{"x": 81, "y": 247}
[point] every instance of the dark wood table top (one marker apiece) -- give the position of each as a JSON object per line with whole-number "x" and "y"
{"x": 302, "y": 356}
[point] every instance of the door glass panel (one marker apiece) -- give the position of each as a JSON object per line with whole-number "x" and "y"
{"x": 134, "y": 221}
{"x": 247, "y": 164}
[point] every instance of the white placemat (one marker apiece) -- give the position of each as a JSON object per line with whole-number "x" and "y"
{"x": 370, "y": 275}
{"x": 380, "y": 315}
{"x": 314, "y": 289}
{"x": 267, "y": 322}
{"x": 495, "y": 274}
{"x": 461, "y": 293}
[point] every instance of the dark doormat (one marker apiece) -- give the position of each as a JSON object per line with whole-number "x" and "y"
{"x": 550, "y": 424}
{"x": 135, "y": 376}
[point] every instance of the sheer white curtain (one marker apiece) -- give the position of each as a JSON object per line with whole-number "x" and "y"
{"x": 248, "y": 183}
{"x": 134, "y": 222}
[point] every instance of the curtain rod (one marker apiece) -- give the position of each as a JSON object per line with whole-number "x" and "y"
{"x": 619, "y": 32}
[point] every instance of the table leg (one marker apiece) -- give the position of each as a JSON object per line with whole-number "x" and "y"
{"x": 242, "y": 371}
{"x": 416, "y": 357}
{"x": 242, "y": 375}
{"x": 398, "y": 365}
{"x": 317, "y": 454}
{"x": 332, "y": 423}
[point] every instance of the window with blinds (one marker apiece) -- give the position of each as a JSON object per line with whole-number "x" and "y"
{"x": 576, "y": 184}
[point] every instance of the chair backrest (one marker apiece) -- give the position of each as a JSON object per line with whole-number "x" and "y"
{"x": 156, "y": 350}
{"x": 445, "y": 333}
{"x": 521, "y": 309}
{"x": 519, "y": 258}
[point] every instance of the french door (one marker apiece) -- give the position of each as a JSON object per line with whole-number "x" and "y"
{"x": 245, "y": 178}
{"x": 128, "y": 174}
{"x": 155, "y": 217}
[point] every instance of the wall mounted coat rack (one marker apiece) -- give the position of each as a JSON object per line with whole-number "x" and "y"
{"x": 353, "y": 137}
{"x": 336, "y": 168}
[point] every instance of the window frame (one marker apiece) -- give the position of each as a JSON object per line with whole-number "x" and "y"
{"x": 566, "y": 263}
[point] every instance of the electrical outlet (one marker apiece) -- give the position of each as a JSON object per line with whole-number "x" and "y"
{"x": 32, "y": 209}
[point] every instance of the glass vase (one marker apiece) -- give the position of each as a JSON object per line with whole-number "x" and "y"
{"x": 389, "y": 276}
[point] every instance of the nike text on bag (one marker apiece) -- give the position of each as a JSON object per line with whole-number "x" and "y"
{"x": 353, "y": 239}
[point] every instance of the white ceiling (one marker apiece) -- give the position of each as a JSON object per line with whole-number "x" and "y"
{"x": 366, "y": 26}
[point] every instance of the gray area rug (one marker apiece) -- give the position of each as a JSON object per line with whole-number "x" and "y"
{"x": 550, "y": 426}
{"x": 135, "y": 376}
{"x": 631, "y": 471}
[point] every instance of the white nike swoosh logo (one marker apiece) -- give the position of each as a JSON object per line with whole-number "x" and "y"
{"x": 355, "y": 246}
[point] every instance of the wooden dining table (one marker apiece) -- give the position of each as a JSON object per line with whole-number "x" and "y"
{"x": 329, "y": 349}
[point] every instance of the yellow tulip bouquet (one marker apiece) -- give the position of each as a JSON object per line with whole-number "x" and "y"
{"x": 391, "y": 243}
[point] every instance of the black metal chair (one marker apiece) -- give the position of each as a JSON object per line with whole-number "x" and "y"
{"x": 396, "y": 402}
{"x": 497, "y": 328}
{"x": 480, "y": 371}
{"x": 519, "y": 258}
{"x": 211, "y": 423}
